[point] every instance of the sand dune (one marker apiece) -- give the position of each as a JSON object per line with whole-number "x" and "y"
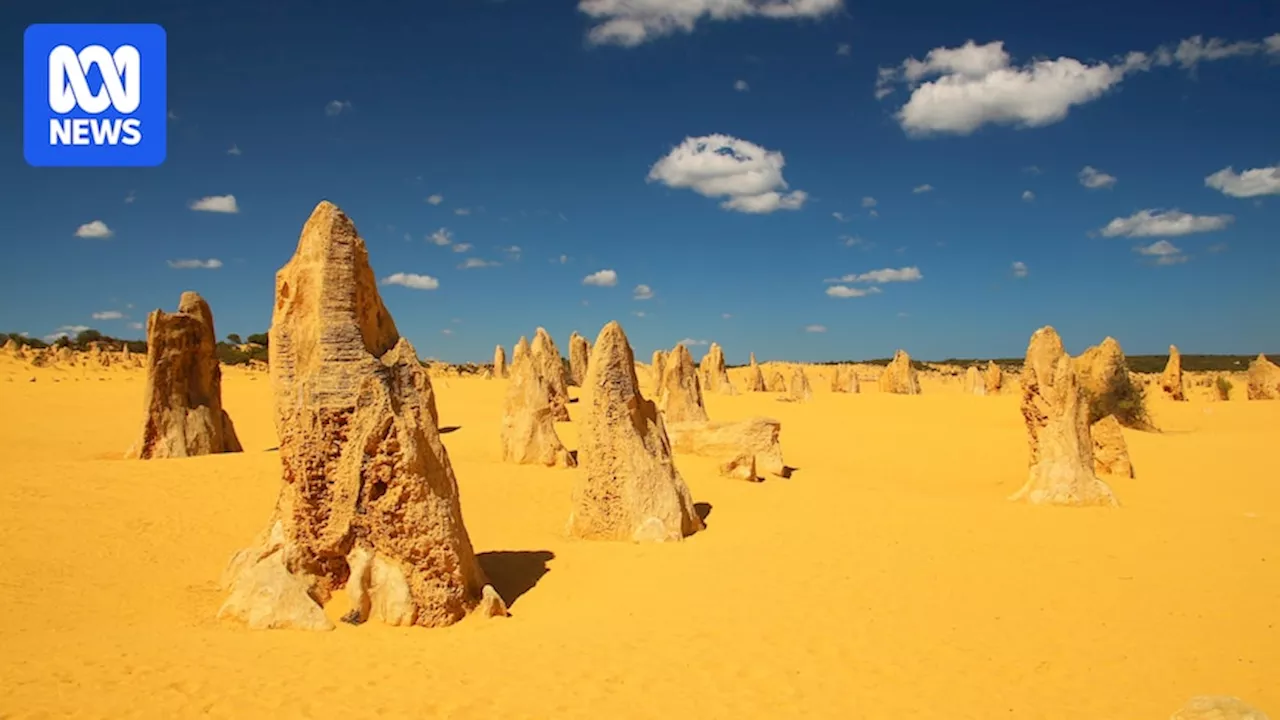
{"x": 887, "y": 578}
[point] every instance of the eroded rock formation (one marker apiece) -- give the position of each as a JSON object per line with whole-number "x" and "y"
{"x": 658, "y": 366}
{"x": 777, "y": 383}
{"x": 799, "y": 390}
{"x": 729, "y": 442}
{"x": 993, "y": 378}
{"x": 579, "y": 355}
{"x": 899, "y": 377}
{"x": 715, "y": 378}
{"x": 1217, "y": 707}
{"x": 1110, "y": 452}
{"x": 500, "y": 362}
{"x": 1171, "y": 378}
{"x": 974, "y": 384}
{"x": 628, "y": 487}
{"x": 680, "y": 391}
{"x": 528, "y": 432}
{"x": 369, "y": 500}
{"x": 182, "y": 406}
{"x": 1263, "y": 379}
{"x": 520, "y": 350}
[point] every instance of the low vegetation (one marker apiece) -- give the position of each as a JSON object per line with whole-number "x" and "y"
{"x": 1126, "y": 400}
{"x": 1223, "y": 386}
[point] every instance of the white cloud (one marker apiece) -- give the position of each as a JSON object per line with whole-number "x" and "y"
{"x": 563, "y": 259}
{"x": 642, "y": 292}
{"x": 1250, "y": 183}
{"x": 441, "y": 237}
{"x": 108, "y": 315}
{"x": 210, "y": 264}
{"x": 1194, "y": 50}
{"x": 690, "y": 342}
{"x": 512, "y": 252}
{"x": 844, "y": 291}
{"x": 1028, "y": 196}
{"x": 1164, "y": 252}
{"x": 461, "y": 247}
{"x": 216, "y": 203}
{"x": 886, "y": 275}
{"x": 412, "y": 280}
{"x": 838, "y": 216}
{"x": 1273, "y": 44}
{"x": 1032, "y": 170}
{"x": 844, "y": 49}
{"x": 922, "y": 188}
{"x": 133, "y": 195}
{"x": 869, "y": 202}
{"x": 435, "y": 199}
{"x": 171, "y": 115}
{"x": 851, "y": 240}
{"x": 462, "y": 211}
{"x": 724, "y": 166}
{"x": 1164, "y": 223}
{"x": 135, "y": 325}
{"x": 638, "y": 313}
{"x": 741, "y": 86}
{"x": 337, "y": 107}
{"x": 95, "y": 230}
{"x": 474, "y": 262}
{"x": 726, "y": 316}
{"x": 874, "y": 213}
{"x": 1093, "y": 178}
{"x": 447, "y": 331}
{"x": 601, "y": 278}
{"x": 1019, "y": 269}
{"x": 234, "y": 150}
{"x": 629, "y": 23}
{"x": 815, "y": 328}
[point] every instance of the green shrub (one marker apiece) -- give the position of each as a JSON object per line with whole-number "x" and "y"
{"x": 257, "y": 339}
{"x": 1123, "y": 398}
{"x": 1223, "y": 386}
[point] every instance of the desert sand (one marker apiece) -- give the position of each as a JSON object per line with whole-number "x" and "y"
{"x": 888, "y": 577}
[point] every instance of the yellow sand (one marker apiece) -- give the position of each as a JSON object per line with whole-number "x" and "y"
{"x": 888, "y": 578}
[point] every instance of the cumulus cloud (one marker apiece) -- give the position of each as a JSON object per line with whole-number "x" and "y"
{"x": 135, "y": 325}
{"x": 844, "y": 291}
{"x": 447, "y": 331}
{"x": 629, "y": 23}
{"x": 1250, "y": 183}
{"x": 838, "y": 216}
{"x": 234, "y": 150}
{"x": 815, "y": 328}
{"x": 195, "y": 264}
{"x": 461, "y": 247}
{"x": 741, "y": 86}
{"x": 95, "y": 230}
{"x": 922, "y": 188}
{"x": 215, "y": 203}
{"x": 412, "y": 280}
{"x": 441, "y": 237}
{"x": 1028, "y": 196}
{"x": 642, "y": 292}
{"x": 65, "y": 331}
{"x": 638, "y": 313}
{"x": 1162, "y": 252}
{"x": 690, "y": 342}
{"x": 1164, "y": 223}
{"x": 563, "y": 259}
{"x": 108, "y": 315}
{"x": 601, "y": 278}
{"x": 476, "y": 263}
{"x": 851, "y": 240}
{"x": 844, "y": 49}
{"x": 462, "y": 211}
{"x": 435, "y": 199}
{"x": 1094, "y": 178}
{"x": 512, "y": 252}
{"x": 1019, "y": 269}
{"x": 749, "y": 176}
{"x": 726, "y": 316}
{"x": 879, "y": 277}
{"x": 1194, "y": 50}
{"x": 337, "y": 107}
{"x": 869, "y": 202}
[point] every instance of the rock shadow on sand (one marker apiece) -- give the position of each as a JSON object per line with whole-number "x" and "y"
{"x": 450, "y": 429}
{"x": 703, "y": 509}
{"x": 514, "y": 572}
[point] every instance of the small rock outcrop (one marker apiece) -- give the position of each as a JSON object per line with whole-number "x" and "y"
{"x": 658, "y": 366}
{"x": 680, "y": 391}
{"x": 369, "y": 501}
{"x": 1061, "y": 468}
{"x": 1217, "y": 707}
{"x": 799, "y": 390}
{"x": 755, "y": 378}
{"x": 993, "y": 378}
{"x": 974, "y": 384}
{"x": 528, "y": 432}
{"x": 715, "y": 377}
{"x": 500, "y": 362}
{"x": 183, "y": 414}
{"x": 1171, "y": 378}
{"x": 579, "y": 355}
{"x": 730, "y": 442}
{"x": 11, "y": 347}
{"x": 1110, "y": 453}
{"x": 840, "y": 378}
{"x": 1263, "y": 379}
{"x": 899, "y": 377}
{"x": 550, "y": 365}
{"x": 520, "y": 350}
{"x": 628, "y": 487}
{"x": 777, "y": 383}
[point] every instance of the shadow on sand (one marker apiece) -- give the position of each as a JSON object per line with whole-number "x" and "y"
{"x": 514, "y": 572}
{"x": 703, "y": 509}
{"x": 450, "y": 428}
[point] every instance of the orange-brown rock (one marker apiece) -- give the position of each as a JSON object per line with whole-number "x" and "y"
{"x": 579, "y": 356}
{"x": 1101, "y": 368}
{"x": 993, "y": 378}
{"x": 899, "y": 377}
{"x": 11, "y": 347}
{"x": 369, "y": 500}
{"x": 1061, "y": 469}
{"x": 777, "y": 383}
{"x": 715, "y": 377}
{"x": 657, "y": 367}
{"x": 725, "y": 441}
{"x": 755, "y": 378}
{"x": 973, "y": 382}
{"x": 1263, "y": 379}
{"x": 680, "y": 391}
{"x": 520, "y": 350}
{"x": 500, "y": 362}
{"x": 1110, "y": 452}
{"x": 840, "y": 378}
{"x": 628, "y": 487}
{"x": 799, "y": 390}
{"x": 528, "y": 432}
{"x": 550, "y": 365}
{"x": 1171, "y": 378}
{"x": 182, "y": 405}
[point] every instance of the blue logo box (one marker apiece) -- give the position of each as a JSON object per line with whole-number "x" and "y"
{"x": 94, "y": 95}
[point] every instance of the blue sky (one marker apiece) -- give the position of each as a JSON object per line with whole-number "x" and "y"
{"x": 571, "y": 132}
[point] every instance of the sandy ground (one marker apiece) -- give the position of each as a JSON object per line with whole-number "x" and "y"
{"x": 888, "y": 578}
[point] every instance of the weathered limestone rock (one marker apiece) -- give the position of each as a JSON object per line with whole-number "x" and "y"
{"x": 500, "y": 362}
{"x": 65, "y": 356}
{"x": 899, "y": 377}
{"x": 993, "y": 378}
{"x": 725, "y": 441}
{"x": 741, "y": 467}
{"x": 680, "y": 391}
{"x": 11, "y": 347}
{"x": 579, "y": 355}
{"x": 755, "y": 378}
{"x": 658, "y": 367}
{"x": 715, "y": 378}
{"x": 1171, "y": 378}
{"x": 369, "y": 500}
{"x": 1110, "y": 452}
{"x": 521, "y": 350}
{"x": 799, "y": 390}
{"x": 1101, "y": 368}
{"x": 1264, "y": 379}
{"x": 1055, "y": 410}
{"x": 528, "y": 432}
{"x": 550, "y": 365}
{"x": 839, "y": 379}
{"x": 183, "y": 413}
{"x": 974, "y": 384}
{"x": 777, "y": 383}
{"x": 628, "y": 487}
{"x": 1217, "y": 707}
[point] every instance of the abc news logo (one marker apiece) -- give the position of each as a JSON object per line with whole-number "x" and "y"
{"x": 94, "y": 95}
